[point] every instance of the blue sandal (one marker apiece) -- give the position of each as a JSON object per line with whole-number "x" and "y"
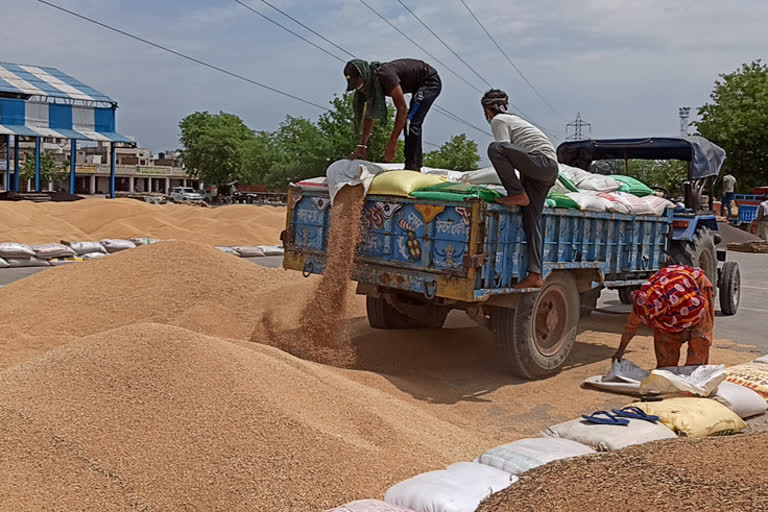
{"x": 608, "y": 419}
{"x": 636, "y": 414}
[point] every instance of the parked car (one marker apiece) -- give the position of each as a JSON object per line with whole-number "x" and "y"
{"x": 186, "y": 194}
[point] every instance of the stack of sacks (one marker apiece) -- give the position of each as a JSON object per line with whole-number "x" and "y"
{"x": 88, "y": 250}
{"x": 19, "y": 255}
{"x": 460, "y": 487}
{"x": 521, "y": 456}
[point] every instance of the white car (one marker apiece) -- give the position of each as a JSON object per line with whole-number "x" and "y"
{"x": 185, "y": 194}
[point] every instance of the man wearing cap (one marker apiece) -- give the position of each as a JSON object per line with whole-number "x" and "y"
{"x": 520, "y": 147}
{"x": 372, "y": 82}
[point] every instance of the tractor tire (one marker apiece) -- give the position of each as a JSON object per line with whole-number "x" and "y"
{"x": 534, "y": 340}
{"x": 382, "y": 315}
{"x": 699, "y": 253}
{"x": 730, "y": 288}
{"x": 625, "y": 294}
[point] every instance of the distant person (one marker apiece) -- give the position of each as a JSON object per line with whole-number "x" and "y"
{"x": 729, "y": 186}
{"x": 372, "y": 82}
{"x": 678, "y": 304}
{"x": 521, "y": 146}
{"x": 761, "y": 218}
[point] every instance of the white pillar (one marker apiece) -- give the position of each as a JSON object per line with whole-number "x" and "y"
{"x": 184, "y": 182}
{"x": 29, "y": 186}
{"x": 131, "y": 181}
{"x": 167, "y": 185}
{"x": 50, "y": 186}
{"x": 93, "y": 184}
{"x": 149, "y": 181}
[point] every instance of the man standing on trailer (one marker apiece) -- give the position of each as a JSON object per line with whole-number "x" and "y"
{"x": 678, "y": 304}
{"x": 521, "y": 146}
{"x": 372, "y": 82}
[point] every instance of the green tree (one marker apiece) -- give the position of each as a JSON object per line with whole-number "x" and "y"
{"x": 215, "y": 147}
{"x": 50, "y": 171}
{"x": 458, "y": 154}
{"x": 736, "y": 120}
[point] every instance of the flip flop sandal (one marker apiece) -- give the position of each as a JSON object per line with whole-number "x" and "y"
{"x": 635, "y": 413}
{"x": 608, "y": 419}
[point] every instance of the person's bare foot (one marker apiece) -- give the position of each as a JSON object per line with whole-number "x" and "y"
{"x": 512, "y": 201}
{"x": 531, "y": 281}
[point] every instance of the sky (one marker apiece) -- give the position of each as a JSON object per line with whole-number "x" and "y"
{"x": 625, "y": 65}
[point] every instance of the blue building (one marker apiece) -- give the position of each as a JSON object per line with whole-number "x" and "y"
{"x": 38, "y": 103}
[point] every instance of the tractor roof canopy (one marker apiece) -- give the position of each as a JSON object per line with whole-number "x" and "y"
{"x": 705, "y": 158}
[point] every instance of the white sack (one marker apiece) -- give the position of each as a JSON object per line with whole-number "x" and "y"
{"x": 247, "y": 251}
{"x": 3, "y": 263}
{"x": 15, "y": 250}
{"x": 658, "y": 204}
{"x": 50, "y": 251}
{"x": 31, "y": 261}
{"x": 93, "y": 255}
{"x": 458, "y": 488}
{"x": 743, "y": 401}
{"x": 487, "y": 176}
{"x": 518, "y": 457}
{"x": 761, "y": 359}
{"x": 599, "y": 183}
{"x": 574, "y": 174}
{"x": 635, "y": 205}
{"x": 684, "y": 380}
{"x": 228, "y": 250}
{"x": 319, "y": 183}
{"x": 87, "y": 247}
{"x": 588, "y": 202}
{"x": 113, "y": 245}
{"x": 272, "y": 250}
{"x": 350, "y": 172}
{"x": 368, "y": 506}
{"x": 610, "y": 437}
{"x": 613, "y": 204}
{"x": 143, "y": 241}
{"x": 454, "y": 176}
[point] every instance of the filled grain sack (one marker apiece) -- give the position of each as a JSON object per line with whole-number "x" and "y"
{"x": 694, "y": 417}
{"x": 60, "y": 262}
{"x": 518, "y": 457}
{"x": 562, "y": 201}
{"x": 487, "y": 176}
{"x": 248, "y": 251}
{"x": 623, "y": 377}
{"x": 565, "y": 183}
{"x": 15, "y": 250}
{"x": 113, "y": 245}
{"x": 573, "y": 174}
{"x": 635, "y": 205}
{"x": 93, "y": 255}
{"x": 761, "y": 359}
{"x": 750, "y": 375}
{"x": 588, "y": 202}
{"x": 742, "y": 401}
{"x": 613, "y": 204}
{"x": 31, "y": 261}
{"x": 599, "y": 183}
{"x": 3, "y": 263}
{"x": 319, "y": 183}
{"x": 632, "y": 186}
{"x": 402, "y": 183}
{"x": 228, "y": 250}
{"x": 143, "y": 241}
{"x": 658, "y": 204}
{"x": 351, "y": 173}
{"x": 369, "y": 506}
{"x": 87, "y": 247}
{"x": 684, "y": 380}
{"x": 272, "y": 250}
{"x": 50, "y": 251}
{"x": 458, "y": 488}
{"x": 453, "y": 176}
{"x": 610, "y": 437}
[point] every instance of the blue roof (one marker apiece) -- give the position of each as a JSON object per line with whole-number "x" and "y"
{"x": 46, "y": 82}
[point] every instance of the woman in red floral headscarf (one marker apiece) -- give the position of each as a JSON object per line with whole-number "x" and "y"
{"x": 678, "y": 304}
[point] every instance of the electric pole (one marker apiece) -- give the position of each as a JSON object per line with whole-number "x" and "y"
{"x": 577, "y": 127}
{"x": 684, "y": 112}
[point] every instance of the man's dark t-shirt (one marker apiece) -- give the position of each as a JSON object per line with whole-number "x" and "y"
{"x": 408, "y": 73}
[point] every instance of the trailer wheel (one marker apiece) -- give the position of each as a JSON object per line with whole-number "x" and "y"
{"x": 589, "y": 301}
{"x": 699, "y": 252}
{"x": 534, "y": 340}
{"x": 382, "y": 315}
{"x": 625, "y": 294}
{"x": 730, "y": 288}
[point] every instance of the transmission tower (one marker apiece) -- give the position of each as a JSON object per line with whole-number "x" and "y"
{"x": 684, "y": 112}
{"x": 577, "y": 127}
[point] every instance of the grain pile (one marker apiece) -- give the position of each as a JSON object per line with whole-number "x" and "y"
{"x": 711, "y": 474}
{"x": 322, "y": 335}
{"x": 95, "y": 219}
{"x": 153, "y": 417}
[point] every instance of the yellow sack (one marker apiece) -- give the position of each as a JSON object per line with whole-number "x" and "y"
{"x": 750, "y": 375}
{"x": 694, "y": 417}
{"x": 402, "y": 183}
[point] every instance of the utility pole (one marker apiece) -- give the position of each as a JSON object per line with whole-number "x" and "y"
{"x": 684, "y": 113}
{"x": 577, "y": 127}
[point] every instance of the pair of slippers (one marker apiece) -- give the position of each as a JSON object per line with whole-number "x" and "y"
{"x": 618, "y": 416}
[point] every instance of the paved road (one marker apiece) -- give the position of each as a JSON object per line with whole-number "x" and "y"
{"x": 744, "y": 328}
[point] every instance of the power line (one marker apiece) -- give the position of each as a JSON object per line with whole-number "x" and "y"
{"x": 548, "y": 104}
{"x": 254, "y": 11}
{"x": 182, "y": 55}
{"x": 377, "y": 13}
{"x": 321, "y": 36}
